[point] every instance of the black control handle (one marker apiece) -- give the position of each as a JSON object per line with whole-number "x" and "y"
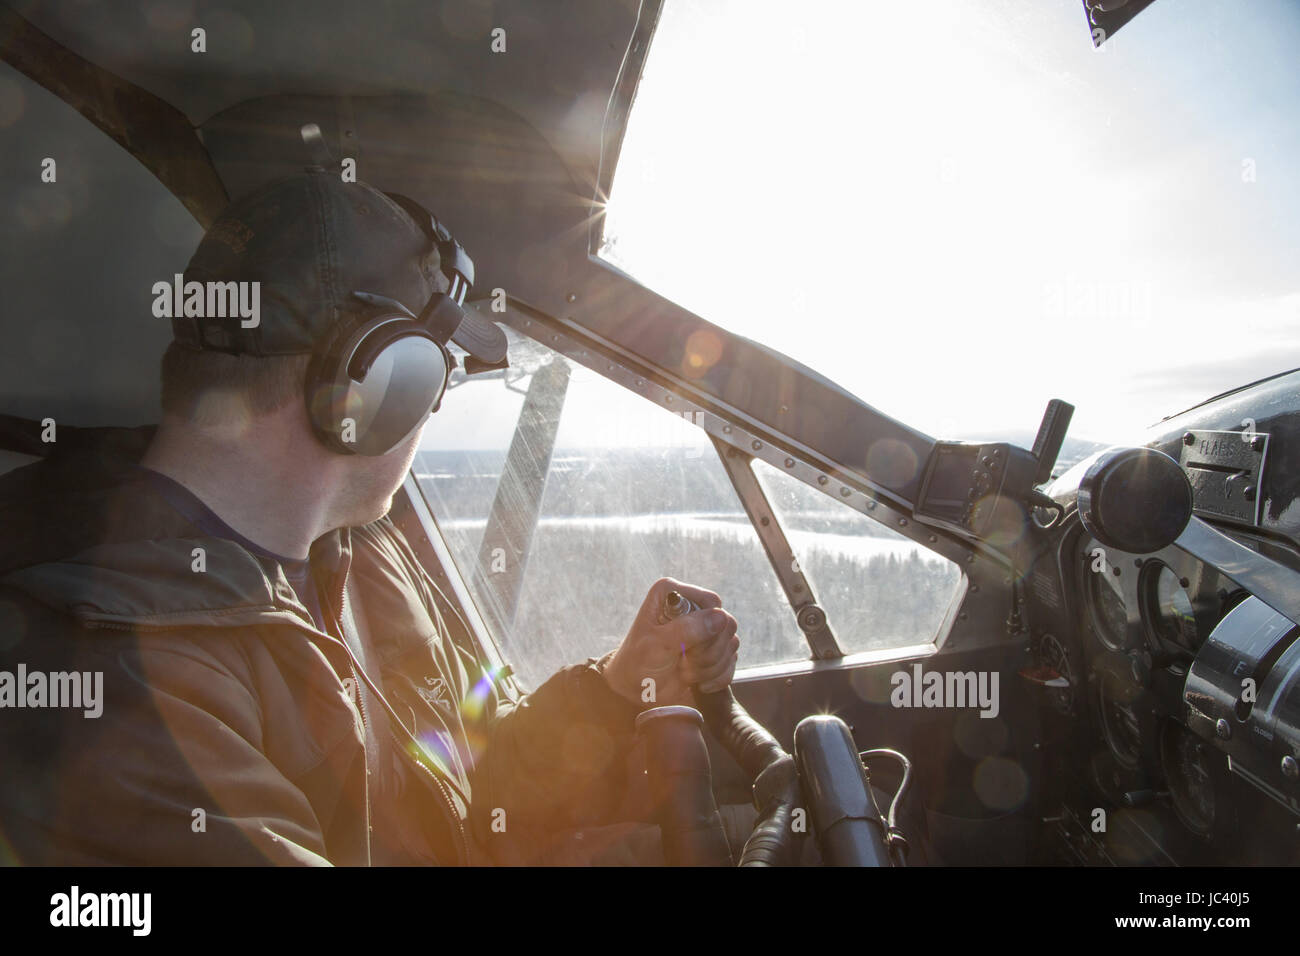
{"x": 681, "y": 787}
{"x": 849, "y": 829}
{"x": 1051, "y": 433}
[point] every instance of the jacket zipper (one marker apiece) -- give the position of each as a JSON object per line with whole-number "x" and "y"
{"x": 452, "y": 813}
{"x": 365, "y": 734}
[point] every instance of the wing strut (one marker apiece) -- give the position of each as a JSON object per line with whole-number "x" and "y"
{"x": 503, "y": 553}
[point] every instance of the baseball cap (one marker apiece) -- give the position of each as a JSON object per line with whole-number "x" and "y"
{"x": 310, "y": 241}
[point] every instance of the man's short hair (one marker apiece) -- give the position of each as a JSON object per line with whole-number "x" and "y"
{"x": 217, "y": 388}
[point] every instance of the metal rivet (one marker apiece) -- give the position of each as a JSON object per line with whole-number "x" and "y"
{"x": 765, "y": 521}
{"x": 1290, "y": 769}
{"x": 871, "y": 504}
{"x": 822, "y": 479}
{"x": 1183, "y": 582}
{"x": 789, "y": 682}
{"x": 640, "y": 382}
{"x": 845, "y": 492}
{"x": 933, "y": 538}
{"x": 784, "y": 409}
{"x": 974, "y": 589}
{"x": 1189, "y": 438}
{"x": 970, "y": 559}
{"x": 902, "y": 522}
{"x": 668, "y": 398}
{"x": 756, "y": 444}
{"x": 726, "y": 429}
{"x": 789, "y": 463}
{"x": 1222, "y": 728}
{"x": 572, "y": 297}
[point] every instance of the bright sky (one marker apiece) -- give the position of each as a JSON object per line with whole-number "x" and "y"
{"x": 960, "y": 210}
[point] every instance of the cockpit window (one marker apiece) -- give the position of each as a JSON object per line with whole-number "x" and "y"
{"x": 960, "y": 210}
{"x": 564, "y": 497}
{"x": 879, "y": 589}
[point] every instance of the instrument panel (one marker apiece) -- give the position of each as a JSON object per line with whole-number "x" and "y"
{"x": 1181, "y": 711}
{"x": 1147, "y": 617}
{"x": 1127, "y": 639}
{"x": 1163, "y": 606}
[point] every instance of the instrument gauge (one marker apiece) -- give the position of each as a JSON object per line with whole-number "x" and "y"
{"x": 1121, "y": 724}
{"x": 1167, "y": 608}
{"x": 1053, "y": 655}
{"x": 1109, "y": 612}
{"x": 1189, "y": 778}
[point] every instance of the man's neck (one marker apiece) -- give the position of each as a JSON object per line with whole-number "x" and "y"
{"x": 266, "y": 491}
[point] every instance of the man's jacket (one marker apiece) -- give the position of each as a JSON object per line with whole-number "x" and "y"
{"x": 232, "y": 730}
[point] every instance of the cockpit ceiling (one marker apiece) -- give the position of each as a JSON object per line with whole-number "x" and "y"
{"x": 556, "y": 72}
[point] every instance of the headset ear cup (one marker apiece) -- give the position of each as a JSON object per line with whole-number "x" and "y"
{"x": 321, "y": 393}
{"x": 374, "y": 384}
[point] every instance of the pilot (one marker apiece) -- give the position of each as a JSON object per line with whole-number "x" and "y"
{"x": 277, "y": 678}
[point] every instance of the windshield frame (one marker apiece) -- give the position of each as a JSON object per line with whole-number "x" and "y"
{"x": 983, "y": 570}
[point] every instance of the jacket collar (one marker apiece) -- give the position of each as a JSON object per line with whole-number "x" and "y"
{"x": 141, "y": 567}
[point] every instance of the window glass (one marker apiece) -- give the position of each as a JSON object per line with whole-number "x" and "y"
{"x": 632, "y": 492}
{"x": 851, "y": 183}
{"x": 878, "y": 588}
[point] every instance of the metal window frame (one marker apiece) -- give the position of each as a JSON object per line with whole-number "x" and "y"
{"x": 809, "y": 616}
{"x": 984, "y": 571}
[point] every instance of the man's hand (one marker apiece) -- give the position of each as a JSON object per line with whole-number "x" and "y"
{"x": 657, "y": 663}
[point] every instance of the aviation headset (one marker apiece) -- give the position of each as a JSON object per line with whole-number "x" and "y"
{"x": 382, "y": 370}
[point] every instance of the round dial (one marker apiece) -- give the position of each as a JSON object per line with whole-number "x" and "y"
{"x": 1109, "y": 613}
{"x": 1120, "y": 723}
{"x": 1169, "y": 610}
{"x": 1188, "y": 776}
{"x": 1054, "y": 655}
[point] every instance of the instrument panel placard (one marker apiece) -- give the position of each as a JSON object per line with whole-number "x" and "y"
{"x": 1225, "y": 469}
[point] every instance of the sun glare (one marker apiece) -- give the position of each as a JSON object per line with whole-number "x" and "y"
{"x": 958, "y": 211}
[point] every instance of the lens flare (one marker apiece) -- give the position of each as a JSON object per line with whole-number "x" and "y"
{"x": 703, "y": 350}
